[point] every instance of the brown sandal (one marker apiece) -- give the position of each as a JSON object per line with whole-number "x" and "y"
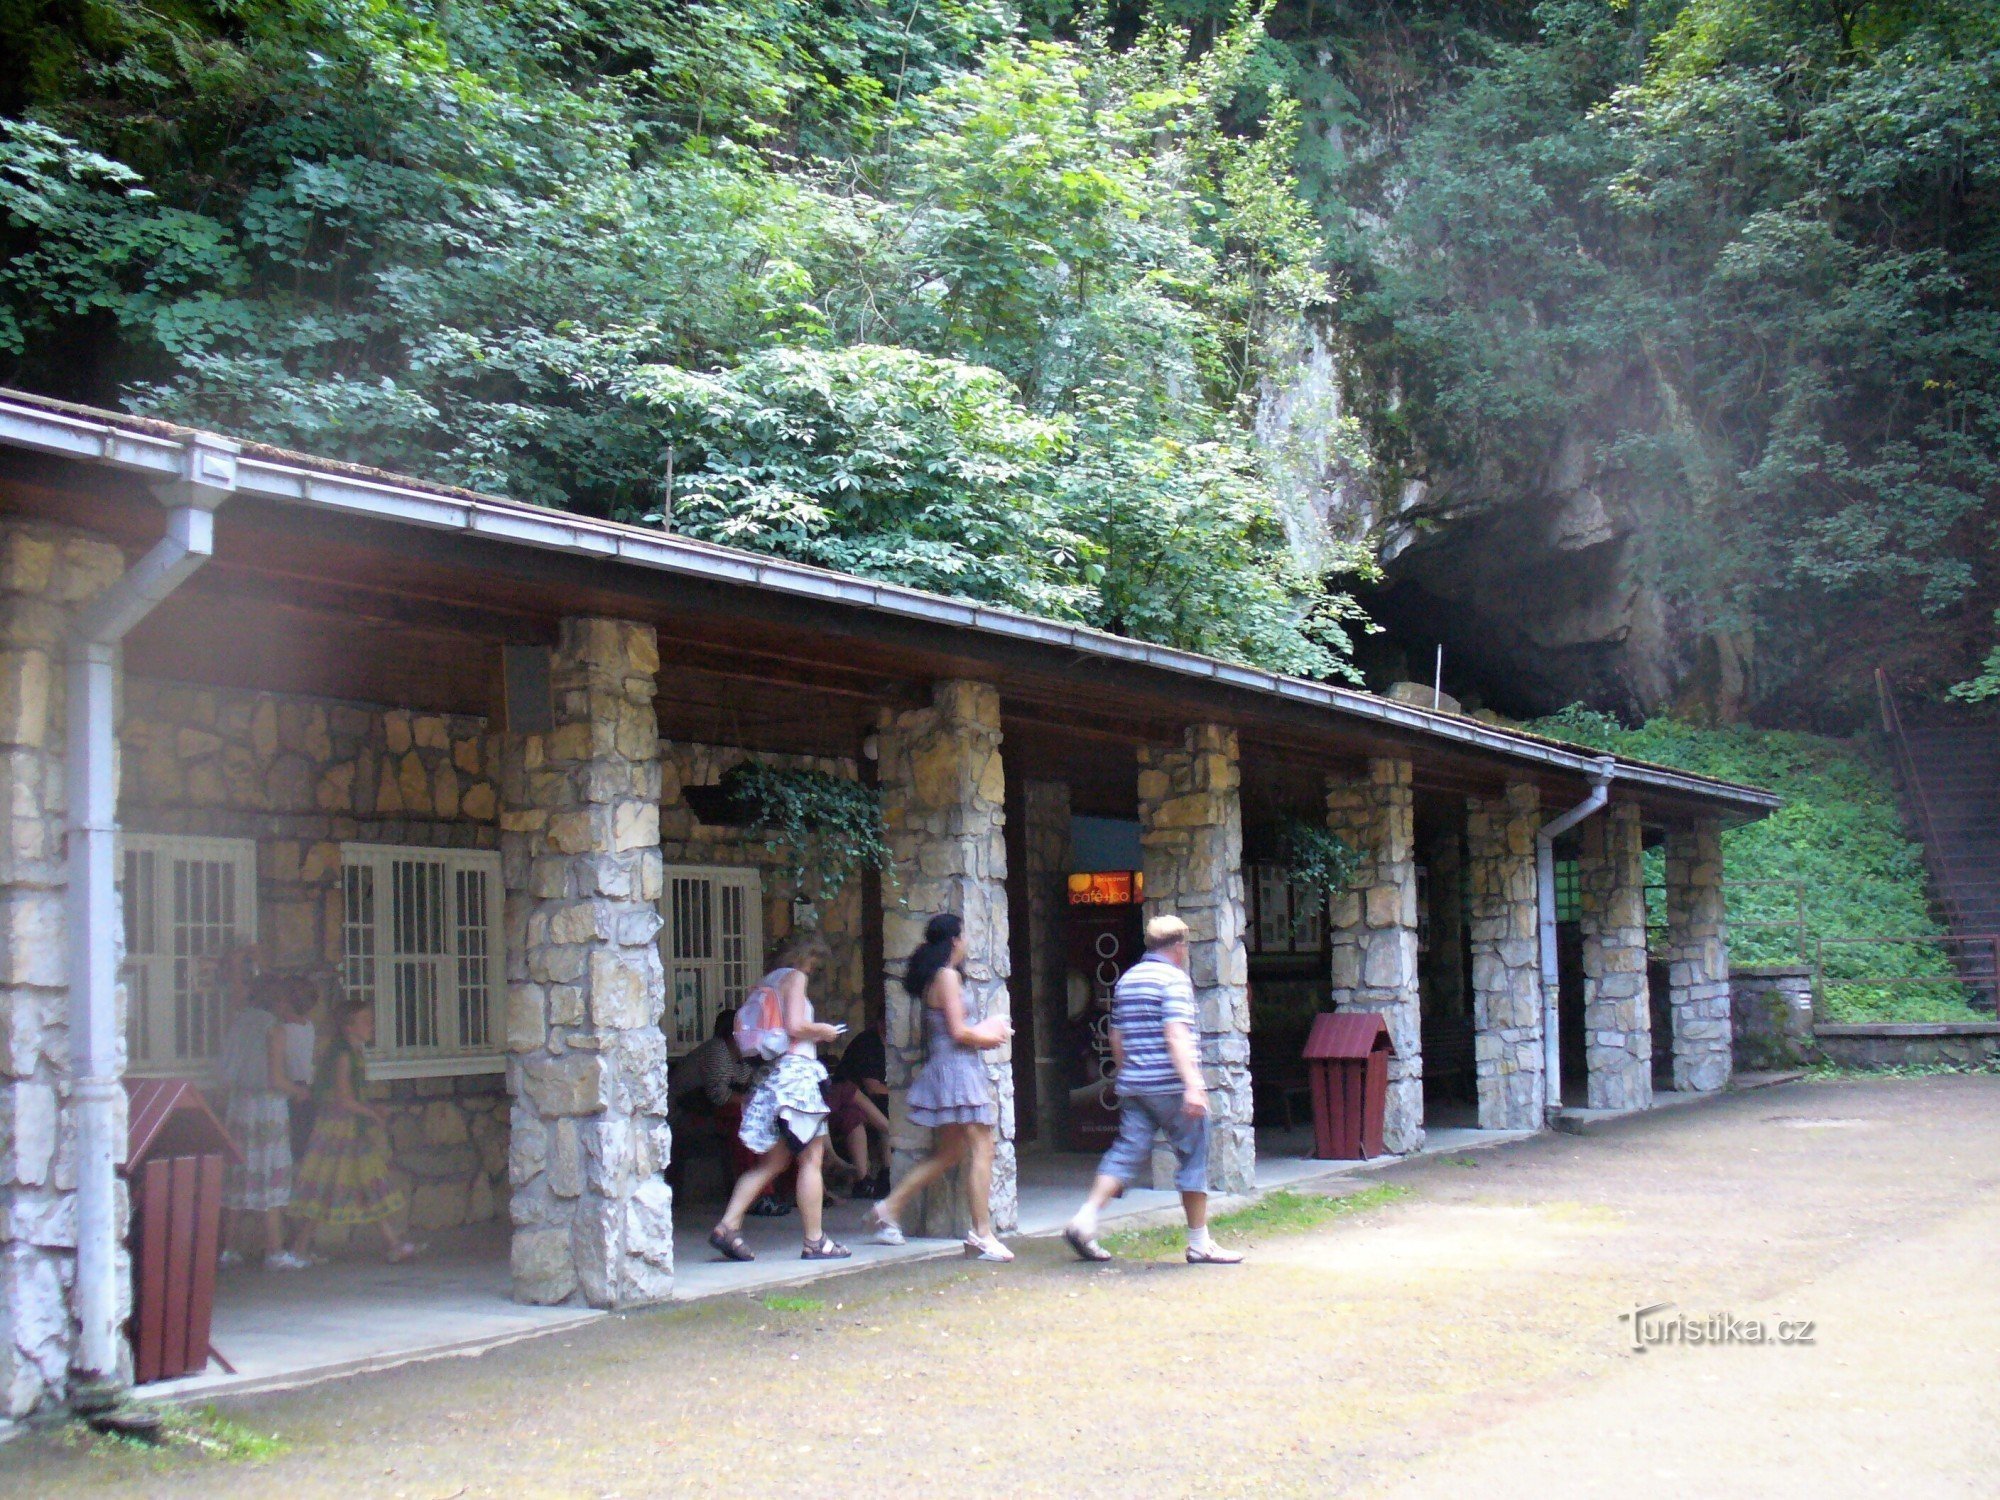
{"x": 730, "y": 1243}
{"x": 824, "y": 1248}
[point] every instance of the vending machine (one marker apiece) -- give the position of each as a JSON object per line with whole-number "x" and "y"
{"x": 1106, "y": 937}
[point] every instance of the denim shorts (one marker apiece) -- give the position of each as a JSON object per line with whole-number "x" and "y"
{"x": 1140, "y": 1118}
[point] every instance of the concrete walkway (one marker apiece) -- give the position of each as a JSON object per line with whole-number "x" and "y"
{"x": 1473, "y": 1338}
{"x": 282, "y": 1330}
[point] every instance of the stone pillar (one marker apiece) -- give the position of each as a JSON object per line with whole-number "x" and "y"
{"x": 1045, "y": 838}
{"x": 1697, "y": 957}
{"x": 1191, "y": 838}
{"x": 1617, "y": 1016}
{"x": 580, "y": 848}
{"x": 1506, "y": 972}
{"x": 1373, "y": 930}
{"x": 45, "y": 573}
{"x": 943, "y": 807}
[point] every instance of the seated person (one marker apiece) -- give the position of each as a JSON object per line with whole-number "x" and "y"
{"x": 859, "y": 1094}
{"x": 705, "y": 1089}
{"x": 705, "y": 1093}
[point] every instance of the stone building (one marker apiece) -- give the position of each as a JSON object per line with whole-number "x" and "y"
{"x": 458, "y": 758}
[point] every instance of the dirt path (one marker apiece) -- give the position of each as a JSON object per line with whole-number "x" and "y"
{"x": 1465, "y": 1341}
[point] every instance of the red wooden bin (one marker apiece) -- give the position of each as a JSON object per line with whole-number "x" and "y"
{"x": 1347, "y": 1063}
{"x": 174, "y": 1158}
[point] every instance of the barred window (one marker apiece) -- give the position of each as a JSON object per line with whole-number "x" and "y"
{"x": 711, "y": 946}
{"x": 420, "y": 941}
{"x": 187, "y": 902}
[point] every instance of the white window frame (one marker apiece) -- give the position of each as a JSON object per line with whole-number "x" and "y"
{"x": 369, "y": 947}
{"x": 701, "y": 985}
{"x": 172, "y": 977}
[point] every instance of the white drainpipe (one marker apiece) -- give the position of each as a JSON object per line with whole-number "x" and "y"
{"x": 1545, "y": 902}
{"x": 208, "y": 475}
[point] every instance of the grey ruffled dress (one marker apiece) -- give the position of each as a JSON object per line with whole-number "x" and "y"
{"x": 950, "y": 1088}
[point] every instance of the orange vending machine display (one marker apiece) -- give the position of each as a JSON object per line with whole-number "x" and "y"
{"x": 1104, "y": 941}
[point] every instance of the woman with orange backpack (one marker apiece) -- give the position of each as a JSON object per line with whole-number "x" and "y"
{"x": 785, "y": 1118}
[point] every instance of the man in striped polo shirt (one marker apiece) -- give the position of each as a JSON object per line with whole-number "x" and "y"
{"x": 1154, "y": 1025}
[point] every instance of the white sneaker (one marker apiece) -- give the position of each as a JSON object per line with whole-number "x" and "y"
{"x": 284, "y": 1260}
{"x": 229, "y": 1260}
{"x": 887, "y": 1230}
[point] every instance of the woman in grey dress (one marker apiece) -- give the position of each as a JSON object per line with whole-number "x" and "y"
{"x": 950, "y": 1095}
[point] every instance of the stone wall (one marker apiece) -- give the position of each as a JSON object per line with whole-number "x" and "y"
{"x": 1506, "y": 967}
{"x": 1617, "y": 1014}
{"x": 301, "y": 776}
{"x": 840, "y": 988}
{"x": 45, "y": 572}
{"x": 581, "y": 849}
{"x": 1045, "y": 842}
{"x": 1972, "y": 1046}
{"x": 943, "y": 808}
{"x": 1697, "y": 957}
{"x": 1191, "y": 841}
{"x": 1372, "y": 931}
{"x": 1771, "y": 1017}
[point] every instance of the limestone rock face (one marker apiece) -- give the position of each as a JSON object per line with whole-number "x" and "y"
{"x": 943, "y": 809}
{"x": 585, "y": 989}
{"x": 45, "y": 572}
{"x": 1506, "y": 962}
{"x": 1698, "y": 958}
{"x": 1191, "y": 840}
{"x": 1617, "y": 1014}
{"x": 1373, "y": 936}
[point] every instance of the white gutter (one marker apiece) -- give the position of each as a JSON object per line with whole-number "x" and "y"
{"x": 207, "y": 474}
{"x": 29, "y": 425}
{"x": 1545, "y": 908}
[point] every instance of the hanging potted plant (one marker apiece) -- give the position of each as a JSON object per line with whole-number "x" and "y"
{"x": 829, "y": 826}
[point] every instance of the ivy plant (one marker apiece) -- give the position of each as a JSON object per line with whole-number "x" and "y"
{"x": 830, "y": 826}
{"x": 1316, "y": 856}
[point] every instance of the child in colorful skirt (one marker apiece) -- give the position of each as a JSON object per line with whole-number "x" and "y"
{"x": 344, "y": 1179}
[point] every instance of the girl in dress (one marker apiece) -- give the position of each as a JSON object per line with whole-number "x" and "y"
{"x": 950, "y": 1095}
{"x": 344, "y": 1178}
{"x": 258, "y": 1117}
{"x": 785, "y": 1118}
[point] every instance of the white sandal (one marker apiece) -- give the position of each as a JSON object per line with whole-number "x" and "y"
{"x": 988, "y": 1248}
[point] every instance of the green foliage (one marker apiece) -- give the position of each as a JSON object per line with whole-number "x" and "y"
{"x": 1315, "y": 855}
{"x": 1737, "y": 254}
{"x": 886, "y": 287}
{"x": 1280, "y": 1212}
{"x": 1837, "y": 842}
{"x": 831, "y": 827}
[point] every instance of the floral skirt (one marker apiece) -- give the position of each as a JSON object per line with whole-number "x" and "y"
{"x": 261, "y": 1125}
{"x": 344, "y": 1179}
{"x": 787, "y": 1102}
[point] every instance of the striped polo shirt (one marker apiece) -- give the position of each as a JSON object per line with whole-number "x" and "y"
{"x": 1151, "y": 993}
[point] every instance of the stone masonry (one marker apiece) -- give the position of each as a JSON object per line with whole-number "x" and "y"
{"x": 1373, "y": 931}
{"x": 1617, "y": 1016}
{"x": 1045, "y": 842}
{"x": 302, "y": 775}
{"x": 45, "y": 573}
{"x": 580, "y": 845}
{"x": 1191, "y": 839}
{"x": 1697, "y": 957}
{"x": 943, "y": 795}
{"x": 1506, "y": 971}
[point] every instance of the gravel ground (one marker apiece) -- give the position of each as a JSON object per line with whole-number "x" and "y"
{"x": 1464, "y": 1341}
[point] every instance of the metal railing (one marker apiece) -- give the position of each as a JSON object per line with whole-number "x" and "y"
{"x": 1965, "y": 967}
{"x": 1913, "y": 787}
